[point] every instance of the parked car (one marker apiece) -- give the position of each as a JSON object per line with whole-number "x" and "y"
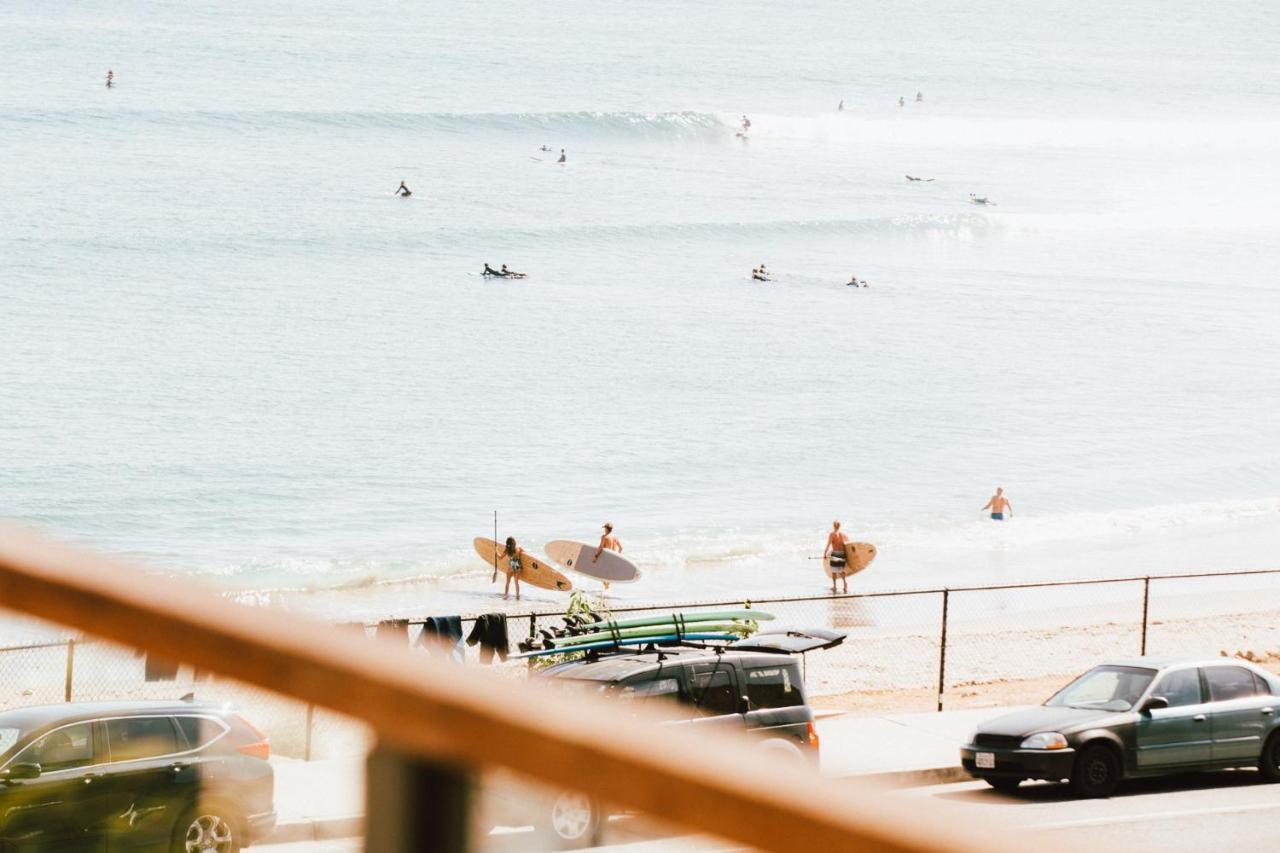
{"x": 132, "y": 776}
{"x": 1139, "y": 717}
{"x": 755, "y": 687}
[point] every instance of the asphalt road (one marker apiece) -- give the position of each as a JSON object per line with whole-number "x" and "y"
{"x": 1232, "y": 810}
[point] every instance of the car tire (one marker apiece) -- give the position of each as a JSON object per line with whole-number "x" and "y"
{"x": 1096, "y": 773}
{"x": 208, "y": 828}
{"x": 1003, "y": 784}
{"x": 1269, "y": 761}
{"x": 573, "y": 821}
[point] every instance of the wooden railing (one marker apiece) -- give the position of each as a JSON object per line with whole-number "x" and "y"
{"x": 436, "y": 722}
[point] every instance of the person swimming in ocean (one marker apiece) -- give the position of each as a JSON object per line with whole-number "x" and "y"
{"x": 488, "y": 270}
{"x": 902, "y": 102}
{"x": 506, "y": 273}
{"x": 746, "y": 124}
{"x": 111, "y": 78}
{"x": 760, "y": 274}
{"x": 403, "y": 191}
{"x": 562, "y": 159}
{"x": 976, "y": 199}
{"x": 919, "y": 97}
{"x": 913, "y": 178}
{"x": 853, "y": 282}
{"x": 546, "y": 148}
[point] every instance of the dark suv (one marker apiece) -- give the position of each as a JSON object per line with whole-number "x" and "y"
{"x": 757, "y": 692}
{"x": 132, "y": 776}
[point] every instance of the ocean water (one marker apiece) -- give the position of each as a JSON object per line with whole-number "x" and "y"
{"x": 228, "y": 350}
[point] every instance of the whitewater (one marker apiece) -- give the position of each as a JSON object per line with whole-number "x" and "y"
{"x": 229, "y": 351}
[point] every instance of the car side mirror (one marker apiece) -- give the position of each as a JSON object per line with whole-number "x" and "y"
{"x": 744, "y": 704}
{"x": 20, "y": 772}
{"x": 1154, "y": 704}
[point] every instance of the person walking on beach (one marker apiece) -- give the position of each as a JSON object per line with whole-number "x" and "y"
{"x": 999, "y": 505}
{"x": 608, "y": 542}
{"x": 514, "y": 555}
{"x": 835, "y": 556}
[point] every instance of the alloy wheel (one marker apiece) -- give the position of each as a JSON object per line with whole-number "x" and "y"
{"x": 571, "y": 816}
{"x": 210, "y": 834}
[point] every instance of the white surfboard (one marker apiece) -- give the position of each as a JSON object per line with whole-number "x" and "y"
{"x": 610, "y": 566}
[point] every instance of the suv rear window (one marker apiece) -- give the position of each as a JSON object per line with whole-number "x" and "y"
{"x": 132, "y": 738}
{"x": 199, "y": 730}
{"x": 773, "y": 687}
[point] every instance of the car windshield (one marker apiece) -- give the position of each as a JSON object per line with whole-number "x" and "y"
{"x": 1105, "y": 688}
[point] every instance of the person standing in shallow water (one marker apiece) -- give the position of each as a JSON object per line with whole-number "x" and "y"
{"x": 562, "y": 159}
{"x": 514, "y": 555}
{"x": 834, "y": 554}
{"x": 999, "y": 505}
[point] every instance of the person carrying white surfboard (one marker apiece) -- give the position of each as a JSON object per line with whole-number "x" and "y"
{"x": 514, "y": 555}
{"x": 608, "y": 542}
{"x": 834, "y": 554}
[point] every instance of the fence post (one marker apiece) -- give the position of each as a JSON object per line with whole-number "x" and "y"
{"x": 1146, "y": 601}
{"x": 533, "y": 630}
{"x": 942, "y": 648}
{"x": 415, "y": 805}
{"x": 71, "y": 664}
{"x": 311, "y": 717}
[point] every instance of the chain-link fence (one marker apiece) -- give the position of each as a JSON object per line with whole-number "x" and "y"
{"x": 916, "y": 650}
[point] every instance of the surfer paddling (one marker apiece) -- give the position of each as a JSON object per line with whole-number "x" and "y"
{"x": 999, "y": 505}
{"x": 835, "y": 556}
{"x": 760, "y": 274}
{"x": 111, "y": 78}
{"x": 404, "y": 191}
{"x": 514, "y": 555}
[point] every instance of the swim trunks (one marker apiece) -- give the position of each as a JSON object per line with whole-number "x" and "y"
{"x": 997, "y": 516}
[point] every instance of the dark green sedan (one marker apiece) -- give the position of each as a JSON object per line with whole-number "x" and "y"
{"x": 1139, "y": 717}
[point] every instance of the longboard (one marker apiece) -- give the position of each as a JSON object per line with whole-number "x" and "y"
{"x": 611, "y": 566}
{"x": 533, "y": 571}
{"x": 857, "y": 555}
{"x": 686, "y": 618}
{"x": 646, "y": 631}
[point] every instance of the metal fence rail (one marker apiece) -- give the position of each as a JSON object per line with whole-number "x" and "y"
{"x": 907, "y": 650}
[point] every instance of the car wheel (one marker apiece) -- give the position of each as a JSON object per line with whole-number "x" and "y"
{"x": 207, "y": 828}
{"x": 1096, "y": 773}
{"x": 572, "y": 820}
{"x": 1269, "y": 763}
{"x": 1004, "y": 785}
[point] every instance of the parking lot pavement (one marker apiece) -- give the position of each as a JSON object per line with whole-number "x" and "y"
{"x": 1229, "y": 810}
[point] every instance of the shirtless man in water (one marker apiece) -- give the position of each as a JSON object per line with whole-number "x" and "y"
{"x": 608, "y": 542}
{"x": 999, "y": 505}
{"x": 834, "y": 552}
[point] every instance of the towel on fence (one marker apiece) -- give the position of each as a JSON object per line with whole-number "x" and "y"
{"x": 158, "y": 669}
{"x": 490, "y": 632}
{"x": 395, "y": 629}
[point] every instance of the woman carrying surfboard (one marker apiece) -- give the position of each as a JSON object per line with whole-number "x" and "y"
{"x": 514, "y": 555}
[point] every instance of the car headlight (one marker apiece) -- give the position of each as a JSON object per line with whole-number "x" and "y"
{"x": 1045, "y": 740}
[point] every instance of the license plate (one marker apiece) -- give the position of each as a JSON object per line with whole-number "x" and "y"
{"x": 985, "y": 760}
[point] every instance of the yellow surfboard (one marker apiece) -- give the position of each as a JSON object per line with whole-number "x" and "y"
{"x": 533, "y": 571}
{"x": 857, "y": 555}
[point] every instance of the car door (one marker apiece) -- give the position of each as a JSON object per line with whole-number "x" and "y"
{"x": 715, "y": 695}
{"x": 1181, "y": 734}
{"x": 776, "y": 701}
{"x": 63, "y": 808}
{"x": 143, "y": 782}
{"x": 1237, "y": 709}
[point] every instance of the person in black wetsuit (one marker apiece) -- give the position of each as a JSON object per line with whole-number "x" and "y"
{"x": 403, "y": 191}
{"x": 488, "y": 270}
{"x": 562, "y": 159}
